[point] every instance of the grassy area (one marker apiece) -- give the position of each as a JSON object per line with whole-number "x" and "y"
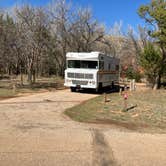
{"x": 12, "y": 88}
{"x": 6, "y": 93}
{"x": 146, "y": 111}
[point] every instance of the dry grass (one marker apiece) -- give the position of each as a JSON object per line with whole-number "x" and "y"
{"x": 6, "y": 93}
{"x": 12, "y": 88}
{"x": 146, "y": 111}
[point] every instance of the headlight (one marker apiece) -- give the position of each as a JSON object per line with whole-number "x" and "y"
{"x": 93, "y": 82}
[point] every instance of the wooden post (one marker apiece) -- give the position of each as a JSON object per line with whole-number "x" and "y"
{"x": 125, "y": 104}
{"x": 131, "y": 85}
{"x": 14, "y": 87}
{"x": 120, "y": 91}
{"x": 105, "y": 97}
{"x": 125, "y": 98}
{"x": 134, "y": 87}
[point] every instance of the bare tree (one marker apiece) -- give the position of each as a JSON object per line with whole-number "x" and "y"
{"x": 59, "y": 12}
{"x": 86, "y": 32}
{"x": 33, "y": 34}
{"x": 7, "y": 53}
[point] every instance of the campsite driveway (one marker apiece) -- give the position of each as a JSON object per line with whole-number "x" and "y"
{"x": 35, "y": 132}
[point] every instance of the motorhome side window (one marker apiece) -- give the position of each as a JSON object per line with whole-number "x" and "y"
{"x": 101, "y": 65}
{"x": 117, "y": 67}
{"x": 109, "y": 66}
{"x": 82, "y": 64}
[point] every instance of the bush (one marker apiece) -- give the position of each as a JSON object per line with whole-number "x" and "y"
{"x": 132, "y": 73}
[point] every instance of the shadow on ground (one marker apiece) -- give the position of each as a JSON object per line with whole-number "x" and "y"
{"x": 107, "y": 90}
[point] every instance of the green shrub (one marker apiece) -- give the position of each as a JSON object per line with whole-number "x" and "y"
{"x": 132, "y": 73}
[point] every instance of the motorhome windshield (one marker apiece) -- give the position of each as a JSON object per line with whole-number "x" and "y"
{"x": 82, "y": 64}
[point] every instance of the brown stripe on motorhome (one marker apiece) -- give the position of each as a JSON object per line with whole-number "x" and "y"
{"x": 108, "y": 72}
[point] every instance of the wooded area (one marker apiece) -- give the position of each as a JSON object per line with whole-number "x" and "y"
{"x": 35, "y": 40}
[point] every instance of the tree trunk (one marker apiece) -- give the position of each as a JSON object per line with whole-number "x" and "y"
{"x": 29, "y": 76}
{"x": 21, "y": 73}
{"x": 34, "y": 76}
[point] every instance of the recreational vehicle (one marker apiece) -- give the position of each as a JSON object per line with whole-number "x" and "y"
{"x": 90, "y": 70}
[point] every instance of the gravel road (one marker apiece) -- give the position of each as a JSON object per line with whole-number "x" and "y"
{"x": 35, "y": 132}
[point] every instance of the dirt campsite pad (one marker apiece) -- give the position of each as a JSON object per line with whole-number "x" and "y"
{"x": 35, "y": 132}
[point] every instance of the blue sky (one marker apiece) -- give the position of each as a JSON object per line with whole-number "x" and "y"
{"x": 106, "y": 11}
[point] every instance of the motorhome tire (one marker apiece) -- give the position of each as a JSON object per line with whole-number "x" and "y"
{"x": 73, "y": 89}
{"x": 99, "y": 89}
{"x": 112, "y": 85}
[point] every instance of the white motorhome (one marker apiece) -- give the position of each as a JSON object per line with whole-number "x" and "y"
{"x": 90, "y": 70}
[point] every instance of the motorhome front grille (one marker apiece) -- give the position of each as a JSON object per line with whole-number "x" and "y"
{"x": 78, "y": 82}
{"x": 70, "y": 75}
{"x": 88, "y": 76}
{"x": 80, "y": 75}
